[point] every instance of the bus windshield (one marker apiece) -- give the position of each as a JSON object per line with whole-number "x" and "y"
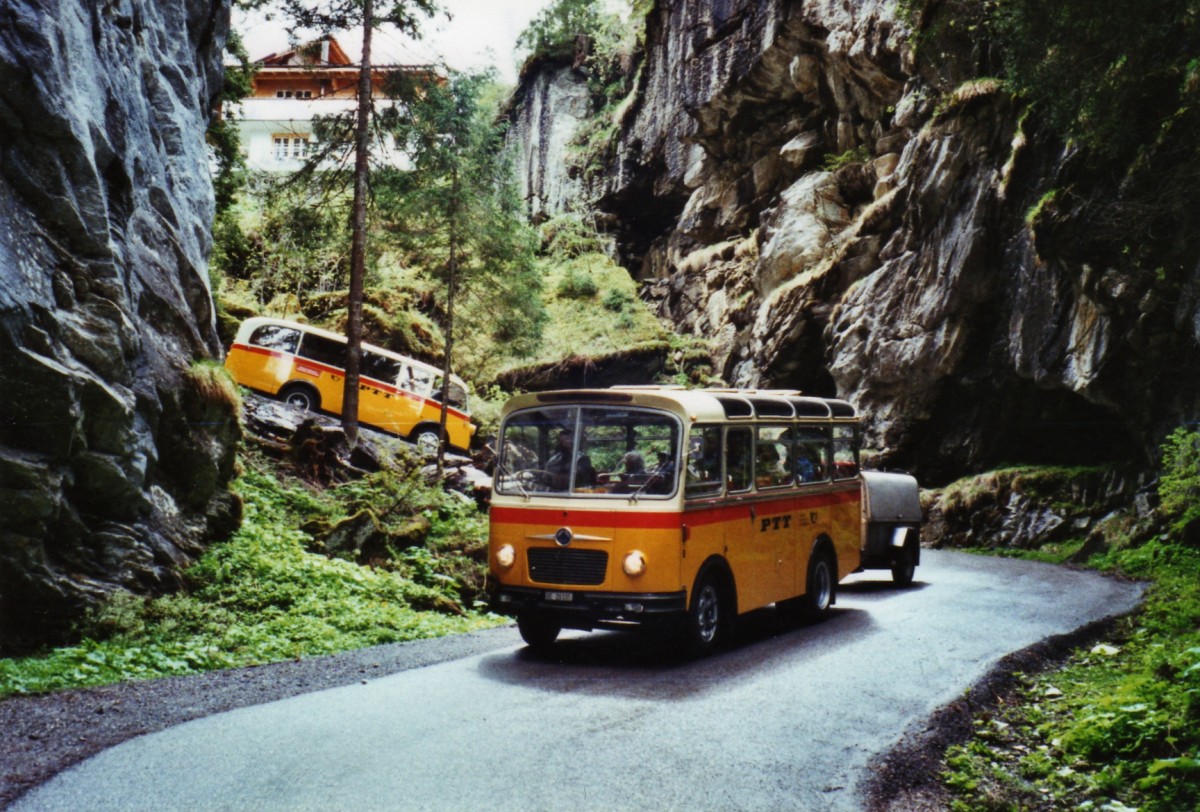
{"x": 589, "y": 450}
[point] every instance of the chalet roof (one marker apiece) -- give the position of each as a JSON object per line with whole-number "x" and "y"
{"x": 323, "y": 52}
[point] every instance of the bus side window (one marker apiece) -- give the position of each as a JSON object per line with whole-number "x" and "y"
{"x": 812, "y": 453}
{"x": 845, "y": 452}
{"x": 773, "y": 457}
{"x": 704, "y": 462}
{"x": 323, "y": 350}
{"x": 380, "y": 367}
{"x": 739, "y": 449}
{"x": 274, "y": 337}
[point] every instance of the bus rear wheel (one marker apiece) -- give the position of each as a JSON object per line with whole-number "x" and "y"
{"x": 818, "y": 593}
{"x": 538, "y": 631}
{"x": 300, "y": 397}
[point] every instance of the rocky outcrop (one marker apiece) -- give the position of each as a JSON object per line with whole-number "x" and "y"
{"x": 546, "y": 116}
{"x": 114, "y": 449}
{"x": 795, "y": 185}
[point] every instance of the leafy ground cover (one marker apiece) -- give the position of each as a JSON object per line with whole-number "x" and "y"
{"x": 1118, "y": 726}
{"x": 269, "y": 594}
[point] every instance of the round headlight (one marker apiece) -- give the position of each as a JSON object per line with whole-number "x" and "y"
{"x": 506, "y": 556}
{"x": 634, "y": 564}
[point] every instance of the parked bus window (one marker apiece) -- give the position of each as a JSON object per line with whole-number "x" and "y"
{"x": 323, "y": 350}
{"x": 773, "y": 457}
{"x": 274, "y": 337}
{"x": 704, "y": 462}
{"x": 812, "y": 453}
{"x": 380, "y": 367}
{"x": 739, "y": 444}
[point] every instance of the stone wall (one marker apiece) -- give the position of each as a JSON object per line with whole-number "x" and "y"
{"x": 114, "y": 451}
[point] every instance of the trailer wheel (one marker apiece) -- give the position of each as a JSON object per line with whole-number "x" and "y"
{"x": 819, "y": 589}
{"x": 538, "y": 631}
{"x": 905, "y": 565}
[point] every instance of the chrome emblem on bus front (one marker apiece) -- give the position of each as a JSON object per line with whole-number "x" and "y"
{"x": 563, "y": 537}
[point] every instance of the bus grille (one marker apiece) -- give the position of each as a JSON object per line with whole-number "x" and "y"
{"x": 554, "y": 565}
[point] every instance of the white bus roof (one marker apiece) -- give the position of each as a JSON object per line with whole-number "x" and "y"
{"x": 699, "y": 405}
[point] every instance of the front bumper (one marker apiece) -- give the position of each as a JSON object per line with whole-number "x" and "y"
{"x": 573, "y": 609}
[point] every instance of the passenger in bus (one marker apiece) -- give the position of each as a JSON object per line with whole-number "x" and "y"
{"x": 560, "y": 463}
{"x": 632, "y": 464}
{"x": 806, "y": 463}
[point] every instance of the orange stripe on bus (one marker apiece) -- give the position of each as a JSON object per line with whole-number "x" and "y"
{"x": 668, "y": 519}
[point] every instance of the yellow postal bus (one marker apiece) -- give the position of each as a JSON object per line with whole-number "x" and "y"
{"x": 639, "y": 505}
{"x": 305, "y": 366}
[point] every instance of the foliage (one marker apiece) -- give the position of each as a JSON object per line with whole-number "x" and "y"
{"x": 1119, "y": 726}
{"x": 223, "y": 139}
{"x": 458, "y": 213}
{"x": 554, "y": 32}
{"x": 262, "y": 596}
{"x": 858, "y": 155}
{"x": 1179, "y": 485}
{"x": 1120, "y": 90}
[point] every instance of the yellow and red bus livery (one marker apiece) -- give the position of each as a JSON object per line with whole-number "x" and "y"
{"x": 638, "y": 505}
{"x": 305, "y": 366}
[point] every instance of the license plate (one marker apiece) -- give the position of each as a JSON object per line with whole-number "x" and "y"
{"x": 559, "y": 596}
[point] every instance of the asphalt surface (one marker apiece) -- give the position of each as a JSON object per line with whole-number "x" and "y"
{"x": 786, "y": 719}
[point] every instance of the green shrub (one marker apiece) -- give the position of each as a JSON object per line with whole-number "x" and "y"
{"x": 577, "y": 283}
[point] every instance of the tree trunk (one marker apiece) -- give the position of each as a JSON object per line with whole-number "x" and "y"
{"x": 358, "y": 229}
{"x": 451, "y": 292}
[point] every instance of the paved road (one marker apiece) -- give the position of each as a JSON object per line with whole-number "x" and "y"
{"x": 785, "y": 720}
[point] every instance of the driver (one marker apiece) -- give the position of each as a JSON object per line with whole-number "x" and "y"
{"x": 559, "y": 464}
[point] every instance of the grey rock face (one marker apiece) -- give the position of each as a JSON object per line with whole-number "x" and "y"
{"x": 555, "y": 102}
{"x": 114, "y": 453}
{"x": 794, "y": 187}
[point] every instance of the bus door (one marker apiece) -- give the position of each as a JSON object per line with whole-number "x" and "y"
{"x": 752, "y": 551}
{"x": 775, "y": 518}
{"x": 812, "y": 463}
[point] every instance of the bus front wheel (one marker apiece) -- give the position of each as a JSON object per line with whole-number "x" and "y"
{"x": 538, "y": 631}
{"x": 300, "y": 397}
{"x": 427, "y": 440}
{"x": 706, "y": 621}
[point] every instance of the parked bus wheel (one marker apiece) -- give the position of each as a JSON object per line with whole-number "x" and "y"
{"x": 538, "y": 631}
{"x": 707, "y": 620}
{"x": 905, "y": 566}
{"x": 300, "y": 396}
{"x": 818, "y": 593}
{"x": 426, "y": 439}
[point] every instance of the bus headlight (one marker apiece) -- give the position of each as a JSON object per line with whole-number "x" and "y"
{"x": 634, "y": 564}
{"x": 506, "y": 556}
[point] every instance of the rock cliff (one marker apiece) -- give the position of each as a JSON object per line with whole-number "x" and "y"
{"x": 114, "y": 449}
{"x": 838, "y": 213}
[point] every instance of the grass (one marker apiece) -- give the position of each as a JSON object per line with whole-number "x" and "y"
{"x": 265, "y": 595}
{"x": 1118, "y": 726}
{"x": 594, "y": 310}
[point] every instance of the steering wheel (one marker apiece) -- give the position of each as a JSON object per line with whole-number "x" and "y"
{"x": 534, "y": 478}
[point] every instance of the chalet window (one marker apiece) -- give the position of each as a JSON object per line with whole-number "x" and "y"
{"x": 290, "y": 147}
